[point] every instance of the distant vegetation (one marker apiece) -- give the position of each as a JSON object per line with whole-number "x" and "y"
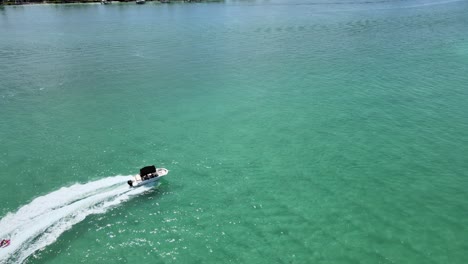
{"x": 21, "y": 2}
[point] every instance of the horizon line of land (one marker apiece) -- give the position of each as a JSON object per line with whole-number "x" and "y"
{"x": 29, "y": 2}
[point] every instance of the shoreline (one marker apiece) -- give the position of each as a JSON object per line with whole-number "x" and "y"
{"x": 59, "y": 2}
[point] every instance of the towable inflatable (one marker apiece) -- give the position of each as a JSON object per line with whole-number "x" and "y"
{"x": 5, "y": 243}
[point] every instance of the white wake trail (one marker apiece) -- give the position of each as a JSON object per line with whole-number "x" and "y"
{"x": 42, "y": 221}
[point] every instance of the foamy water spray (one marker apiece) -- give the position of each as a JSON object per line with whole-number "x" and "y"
{"x": 42, "y": 221}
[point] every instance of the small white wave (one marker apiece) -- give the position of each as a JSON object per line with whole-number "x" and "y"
{"x": 42, "y": 221}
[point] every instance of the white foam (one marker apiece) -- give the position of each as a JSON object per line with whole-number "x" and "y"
{"x": 42, "y": 221}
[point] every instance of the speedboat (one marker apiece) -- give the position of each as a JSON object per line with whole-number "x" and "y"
{"x": 140, "y": 2}
{"x": 147, "y": 174}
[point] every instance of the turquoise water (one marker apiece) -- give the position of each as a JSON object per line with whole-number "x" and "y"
{"x": 294, "y": 132}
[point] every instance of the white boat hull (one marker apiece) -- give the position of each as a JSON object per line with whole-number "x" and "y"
{"x": 137, "y": 180}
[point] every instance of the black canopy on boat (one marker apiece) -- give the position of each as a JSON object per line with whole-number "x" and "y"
{"x": 147, "y": 170}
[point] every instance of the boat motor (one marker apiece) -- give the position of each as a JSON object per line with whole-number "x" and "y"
{"x": 130, "y": 182}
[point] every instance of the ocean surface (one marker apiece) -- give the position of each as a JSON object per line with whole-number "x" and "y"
{"x": 295, "y": 132}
